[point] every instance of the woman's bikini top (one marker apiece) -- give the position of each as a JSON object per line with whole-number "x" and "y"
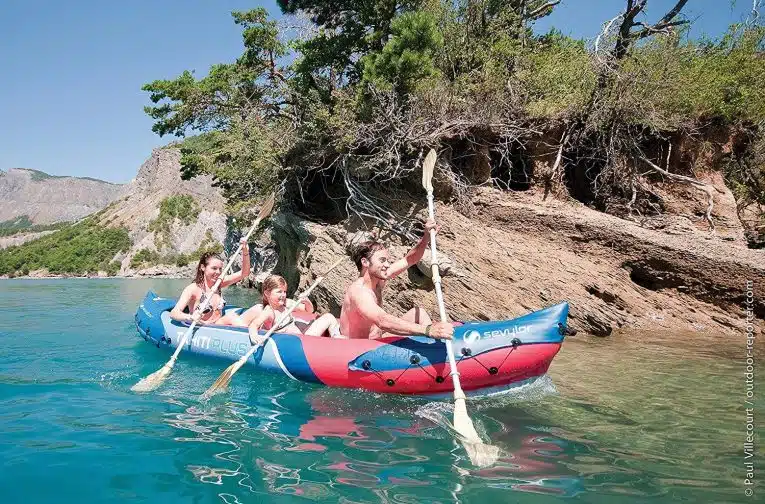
{"x": 221, "y": 304}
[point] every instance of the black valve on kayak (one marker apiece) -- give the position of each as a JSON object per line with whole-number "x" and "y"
{"x": 493, "y": 370}
{"x": 390, "y": 382}
{"x": 466, "y": 351}
{"x": 414, "y": 359}
{"x": 439, "y": 379}
{"x": 516, "y": 342}
{"x": 366, "y": 365}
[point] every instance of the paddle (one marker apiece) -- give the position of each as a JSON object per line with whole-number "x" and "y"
{"x": 225, "y": 378}
{"x": 156, "y": 379}
{"x": 480, "y": 454}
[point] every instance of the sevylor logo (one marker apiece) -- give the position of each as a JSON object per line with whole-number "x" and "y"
{"x": 473, "y": 336}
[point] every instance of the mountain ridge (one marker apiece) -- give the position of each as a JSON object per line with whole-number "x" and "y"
{"x": 39, "y": 175}
{"x": 42, "y": 199}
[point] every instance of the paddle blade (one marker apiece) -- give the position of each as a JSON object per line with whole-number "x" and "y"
{"x": 265, "y": 210}
{"x": 427, "y": 170}
{"x": 154, "y": 380}
{"x": 462, "y": 422}
{"x": 224, "y": 379}
{"x": 221, "y": 384}
{"x": 480, "y": 454}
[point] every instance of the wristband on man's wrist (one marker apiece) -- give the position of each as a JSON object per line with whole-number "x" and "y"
{"x": 427, "y": 330}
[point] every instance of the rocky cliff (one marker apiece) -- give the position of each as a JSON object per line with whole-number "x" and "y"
{"x": 511, "y": 253}
{"x": 45, "y": 199}
{"x": 158, "y": 179}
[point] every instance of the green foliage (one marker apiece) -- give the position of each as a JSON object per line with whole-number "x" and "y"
{"x": 182, "y": 207}
{"x": 145, "y": 258}
{"x": 39, "y": 176}
{"x": 241, "y": 90}
{"x": 245, "y": 161}
{"x": 22, "y": 224}
{"x": 13, "y": 226}
{"x": 666, "y": 84}
{"x": 82, "y": 248}
{"x": 557, "y": 77}
{"x": 370, "y": 83}
{"x": 407, "y": 59}
{"x": 346, "y": 29}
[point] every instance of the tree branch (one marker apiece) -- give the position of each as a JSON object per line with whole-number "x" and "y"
{"x": 669, "y": 16}
{"x": 650, "y": 30}
{"x": 549, "y": 5}
{"x": 701, "y": 186}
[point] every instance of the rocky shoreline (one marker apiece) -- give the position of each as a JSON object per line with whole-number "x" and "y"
{"x": 511, "y": 253}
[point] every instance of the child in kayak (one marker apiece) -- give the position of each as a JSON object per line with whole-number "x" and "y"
{"x": 208, "y": 271}
{"x": 274, "y": 303}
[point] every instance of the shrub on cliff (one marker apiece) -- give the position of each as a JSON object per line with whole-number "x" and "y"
{"x": 181, "y": 207}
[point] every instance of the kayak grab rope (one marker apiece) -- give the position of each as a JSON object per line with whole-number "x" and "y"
{"x": 467, "y": 354}
{"x": 414, "y": 360}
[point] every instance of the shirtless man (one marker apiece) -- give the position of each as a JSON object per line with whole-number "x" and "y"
{"x": 362, "y": 315}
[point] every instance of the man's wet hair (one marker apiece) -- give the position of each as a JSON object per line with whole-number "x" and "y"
{"x": 365, "y": 250}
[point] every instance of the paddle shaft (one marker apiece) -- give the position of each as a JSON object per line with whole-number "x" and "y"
{"x": 206, "y": 302}
{"x": 458, "y": 393}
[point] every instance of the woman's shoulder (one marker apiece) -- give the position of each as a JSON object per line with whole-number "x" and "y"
{"x": 192, "y": 288}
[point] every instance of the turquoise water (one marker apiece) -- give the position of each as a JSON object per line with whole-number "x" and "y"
{"x": 632, "y": 418}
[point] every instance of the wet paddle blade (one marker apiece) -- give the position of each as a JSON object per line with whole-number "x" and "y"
{"x": 480, "y": 454}
{"x": 427, "y": 170}
{"x": 462, "y": 422}
{"x": 224, "y": 379}
{"x": 154, "y": 380}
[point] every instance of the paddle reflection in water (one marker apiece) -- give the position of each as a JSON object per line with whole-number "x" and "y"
{"x": 326, "y": 443}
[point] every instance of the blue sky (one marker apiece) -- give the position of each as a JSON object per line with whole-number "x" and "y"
{"x": 71, "y": 72}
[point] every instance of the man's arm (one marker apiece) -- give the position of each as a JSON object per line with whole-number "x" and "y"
{"x": 414, "y": 255}
{"x": 367, "y": 307}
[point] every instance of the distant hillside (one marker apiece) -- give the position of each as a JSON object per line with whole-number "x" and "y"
{"x": 168, "y": 219}
{"x": 158, "y": 224}
{"x": 31, "y": 198}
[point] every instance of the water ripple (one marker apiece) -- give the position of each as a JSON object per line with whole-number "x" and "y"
{"x": 618, "y": 421}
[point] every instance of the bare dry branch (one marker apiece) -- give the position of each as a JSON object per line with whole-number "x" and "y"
{"x": 549, "y": 5}
{"x": 701, "y": 186}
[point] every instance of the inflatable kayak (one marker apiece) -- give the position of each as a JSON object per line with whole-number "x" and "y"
{"x": 491, "y": 356}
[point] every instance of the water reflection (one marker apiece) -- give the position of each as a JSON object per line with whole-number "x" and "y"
{"x": 326, "y": 443}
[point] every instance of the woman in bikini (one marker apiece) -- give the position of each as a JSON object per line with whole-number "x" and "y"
{"x": 209, "y": 270}
{"x": 274, "y": 303}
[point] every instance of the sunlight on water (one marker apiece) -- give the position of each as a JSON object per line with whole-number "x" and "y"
{"x": 631, "y": 418}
